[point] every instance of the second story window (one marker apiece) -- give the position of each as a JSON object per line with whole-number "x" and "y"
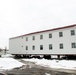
{"x": 41, "y": 36}
{"x": 72, "y": 32}
{"x": 60, "y": 34}
{"x": 26, "y": 38}
{"x": 22, "y": 37}
{"x": 33, "y": 38}
{"x": 50, "y": 35}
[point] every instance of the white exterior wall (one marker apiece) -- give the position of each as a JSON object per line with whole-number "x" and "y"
{"x": 15, "y": 44}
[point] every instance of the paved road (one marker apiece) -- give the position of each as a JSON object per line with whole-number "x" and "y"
{"x": 32, "y": 69}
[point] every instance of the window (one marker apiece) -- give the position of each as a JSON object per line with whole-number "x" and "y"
{"x": 33, "y": 47}
{"x": 41, "y": 36}
{"x": 60, "y": 34}
{"x": 26, "y": 47}
{"x": 22, "y": 37}
{"x": 73, "y": 45}
{"x": 41, "y": 47}
{"x": 50, "y": 35}
{"x": 26, "y": 38}
{"x": 33, "y": 38}
{"x": 50, "y": 46}
{"x": 61, "y": 46}
{"x": 72, "y": 32}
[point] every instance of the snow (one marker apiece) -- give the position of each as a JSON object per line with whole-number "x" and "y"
{"x": 47, "y": 74}
{"x": 6, "y": 56}
{"x": 9, "y": 63}
{"x": 59, "y": 64}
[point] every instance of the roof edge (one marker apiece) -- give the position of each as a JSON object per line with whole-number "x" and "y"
{"x": 64, "y": 27}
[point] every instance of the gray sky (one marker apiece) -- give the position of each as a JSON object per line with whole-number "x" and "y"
{"x": 18, "y": 17}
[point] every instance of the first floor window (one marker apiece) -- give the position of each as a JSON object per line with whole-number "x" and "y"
{"x": 73, "y": 45}
{"x": 61, "y": 46}
{"x": 26, "y": 47}
{"x": 50, "y": 46}
{"x": 41, "y": 47}
{"x": 33, "y": 47}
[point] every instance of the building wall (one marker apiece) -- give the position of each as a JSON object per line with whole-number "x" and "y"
{"x": 18, "y": 45}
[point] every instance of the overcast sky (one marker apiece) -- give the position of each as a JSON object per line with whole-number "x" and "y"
{"x": 18, "y": 17}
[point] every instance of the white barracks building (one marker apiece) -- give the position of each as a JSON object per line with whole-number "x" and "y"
{"x": 57, "y": 41}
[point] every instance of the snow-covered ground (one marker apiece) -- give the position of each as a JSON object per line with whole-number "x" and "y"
{"x": 7, "y": 56}
{"x": 47, "y": 74}
{"x": 60, "y": 64}
{"x": 9, "y": 63}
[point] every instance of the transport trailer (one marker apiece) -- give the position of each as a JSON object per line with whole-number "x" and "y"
{"x": 58, "y": 41}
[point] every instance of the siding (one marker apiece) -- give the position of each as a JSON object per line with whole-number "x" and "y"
{"x": 17, "y": 45}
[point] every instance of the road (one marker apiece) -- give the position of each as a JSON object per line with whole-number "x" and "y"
{"x": 33, "y": 69}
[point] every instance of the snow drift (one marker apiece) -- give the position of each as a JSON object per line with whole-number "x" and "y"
{"x": 60, "y": 64}
{"x": 9, "y": 63}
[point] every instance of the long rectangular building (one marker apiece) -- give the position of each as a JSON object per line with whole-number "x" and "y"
{"x": 57, "y": 41}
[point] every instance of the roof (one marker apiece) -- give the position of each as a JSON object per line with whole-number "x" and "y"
{"x": 46, "y": 30}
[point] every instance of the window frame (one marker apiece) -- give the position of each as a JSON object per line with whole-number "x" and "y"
{"x": 50, "y": 35}
{"x": 50, "y": 46}
{"x": 26, "y": 38}
{"x": 33, "y": 37}
{"x": 72, "y": 32}
{"x": 33, "y": 47}
{"x": 22, "y": 37}
{"x": 61, "y": 46}
{"x": 41, "y": 47}
{"x": 41, "y": 36}
{"x": 73, "y": 45}
{"x": 60, "y": 34}
{"x": 26, "y": 47}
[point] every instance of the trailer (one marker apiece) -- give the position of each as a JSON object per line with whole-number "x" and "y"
{"x": 58, "y": 41}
